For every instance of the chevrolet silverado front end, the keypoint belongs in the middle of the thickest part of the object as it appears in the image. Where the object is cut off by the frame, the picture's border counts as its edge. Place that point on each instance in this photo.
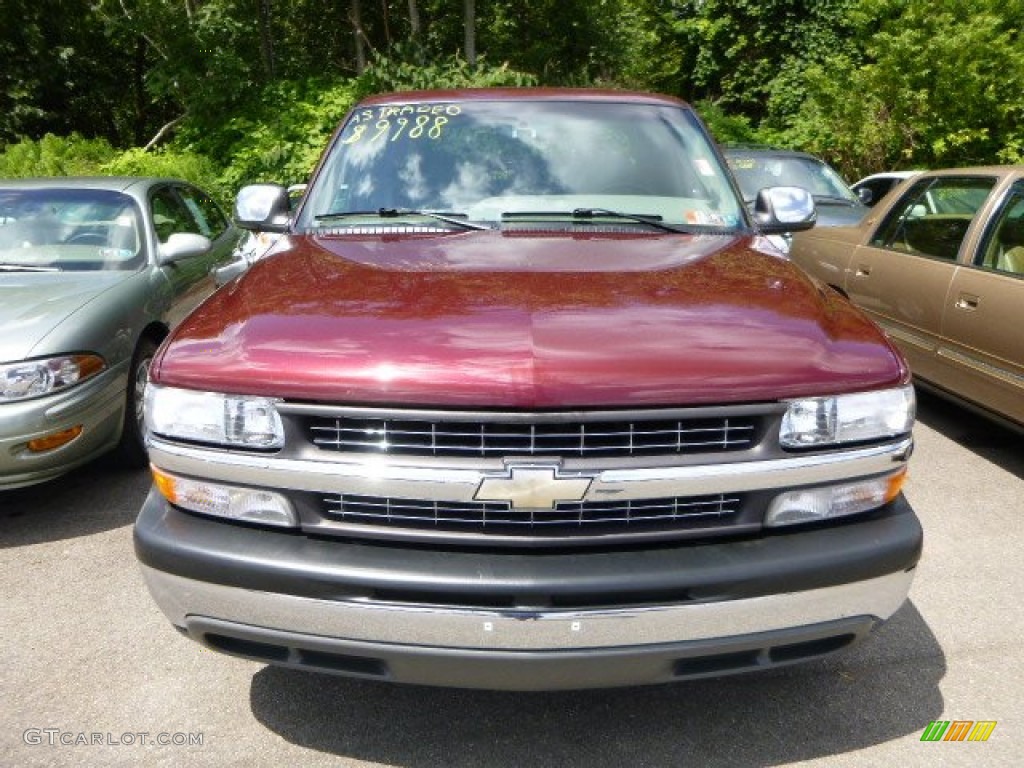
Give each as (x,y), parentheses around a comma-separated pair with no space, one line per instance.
(523,399)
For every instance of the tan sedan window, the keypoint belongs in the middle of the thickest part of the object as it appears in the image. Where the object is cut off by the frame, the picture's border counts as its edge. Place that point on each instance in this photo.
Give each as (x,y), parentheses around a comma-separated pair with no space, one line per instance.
(1004,250)
(933,217)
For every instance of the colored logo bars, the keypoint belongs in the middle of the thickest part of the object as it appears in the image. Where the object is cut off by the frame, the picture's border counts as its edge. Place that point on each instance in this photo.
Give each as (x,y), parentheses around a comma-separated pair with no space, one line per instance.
(958,730)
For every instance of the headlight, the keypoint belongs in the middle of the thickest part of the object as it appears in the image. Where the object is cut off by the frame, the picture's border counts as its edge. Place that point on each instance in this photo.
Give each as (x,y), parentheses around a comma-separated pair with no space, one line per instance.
(235,421)
(35,378)
(865,416)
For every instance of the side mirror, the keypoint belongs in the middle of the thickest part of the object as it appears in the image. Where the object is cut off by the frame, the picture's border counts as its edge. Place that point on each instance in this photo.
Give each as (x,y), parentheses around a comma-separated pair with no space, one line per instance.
(183,245)
(778,210)
(262,207)
(866,195)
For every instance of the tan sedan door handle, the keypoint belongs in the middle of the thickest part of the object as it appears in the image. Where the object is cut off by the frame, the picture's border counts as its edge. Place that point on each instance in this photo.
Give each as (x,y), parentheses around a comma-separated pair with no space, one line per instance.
(862,271)
(967,301)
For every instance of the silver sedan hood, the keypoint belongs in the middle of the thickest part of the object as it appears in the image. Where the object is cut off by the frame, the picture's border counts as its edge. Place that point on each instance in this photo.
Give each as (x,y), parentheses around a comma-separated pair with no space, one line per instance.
(33,304)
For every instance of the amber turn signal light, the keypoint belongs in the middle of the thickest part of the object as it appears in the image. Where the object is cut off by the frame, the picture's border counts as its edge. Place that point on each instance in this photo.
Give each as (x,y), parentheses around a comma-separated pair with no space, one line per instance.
(54,440)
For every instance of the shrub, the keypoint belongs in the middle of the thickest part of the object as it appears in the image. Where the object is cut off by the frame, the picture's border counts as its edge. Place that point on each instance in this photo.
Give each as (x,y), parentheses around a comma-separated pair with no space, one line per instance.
(277,137)
(169,163)
(55,156)
(400,72)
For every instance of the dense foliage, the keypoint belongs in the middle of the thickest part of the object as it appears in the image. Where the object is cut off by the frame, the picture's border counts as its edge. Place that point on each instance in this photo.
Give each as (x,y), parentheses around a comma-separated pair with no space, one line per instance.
(230,91)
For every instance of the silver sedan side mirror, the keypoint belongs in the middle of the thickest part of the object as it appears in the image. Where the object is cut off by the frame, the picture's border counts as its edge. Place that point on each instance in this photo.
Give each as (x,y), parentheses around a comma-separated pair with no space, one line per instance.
(183,245)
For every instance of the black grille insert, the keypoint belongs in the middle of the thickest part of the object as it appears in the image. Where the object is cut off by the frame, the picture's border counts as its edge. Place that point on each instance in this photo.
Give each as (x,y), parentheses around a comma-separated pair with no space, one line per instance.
(568,518)
(577,439)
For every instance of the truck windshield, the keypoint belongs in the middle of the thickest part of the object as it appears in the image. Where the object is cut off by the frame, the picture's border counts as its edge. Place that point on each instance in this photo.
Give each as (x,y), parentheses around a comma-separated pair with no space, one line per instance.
(481,161)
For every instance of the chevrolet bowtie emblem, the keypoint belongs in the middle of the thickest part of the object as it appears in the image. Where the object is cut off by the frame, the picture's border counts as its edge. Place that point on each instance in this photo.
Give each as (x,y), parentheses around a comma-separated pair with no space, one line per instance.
(533,488)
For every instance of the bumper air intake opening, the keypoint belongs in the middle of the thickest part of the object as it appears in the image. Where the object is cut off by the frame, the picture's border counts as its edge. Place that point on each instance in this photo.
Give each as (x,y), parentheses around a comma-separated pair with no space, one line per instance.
(810,649)
(343,663)
(303,658)
(763,657)
(237,646)
(717,664)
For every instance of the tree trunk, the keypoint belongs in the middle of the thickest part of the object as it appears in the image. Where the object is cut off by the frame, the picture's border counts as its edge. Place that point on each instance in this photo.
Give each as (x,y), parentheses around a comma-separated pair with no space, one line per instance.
(414,21)
(355,16)
(266,37)
(386,16)
(139,91)
(470,23)
(164,130)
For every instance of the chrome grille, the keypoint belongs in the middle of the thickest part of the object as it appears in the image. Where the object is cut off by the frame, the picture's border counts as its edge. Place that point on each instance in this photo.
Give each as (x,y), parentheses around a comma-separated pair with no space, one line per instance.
(573,438)
(666,514)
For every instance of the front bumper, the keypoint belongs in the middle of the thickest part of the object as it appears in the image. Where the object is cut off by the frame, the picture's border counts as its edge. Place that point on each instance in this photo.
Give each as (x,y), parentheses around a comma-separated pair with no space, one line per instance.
(97,406)
(527,621)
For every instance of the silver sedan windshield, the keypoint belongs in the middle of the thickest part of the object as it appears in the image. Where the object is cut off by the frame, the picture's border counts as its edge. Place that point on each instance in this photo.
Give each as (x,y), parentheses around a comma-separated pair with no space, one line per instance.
(68,229)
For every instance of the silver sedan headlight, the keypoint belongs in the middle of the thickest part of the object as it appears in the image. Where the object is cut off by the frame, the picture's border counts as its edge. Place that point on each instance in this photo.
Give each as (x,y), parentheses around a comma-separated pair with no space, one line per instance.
(36,378)
(233,421)
(861,417)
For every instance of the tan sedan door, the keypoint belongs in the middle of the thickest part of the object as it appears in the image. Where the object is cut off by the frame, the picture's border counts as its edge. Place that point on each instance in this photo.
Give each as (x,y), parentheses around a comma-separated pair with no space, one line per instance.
(983,324)
(903,275)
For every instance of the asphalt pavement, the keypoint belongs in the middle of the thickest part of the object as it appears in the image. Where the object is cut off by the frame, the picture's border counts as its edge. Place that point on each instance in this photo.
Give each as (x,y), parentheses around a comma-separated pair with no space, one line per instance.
(94,675)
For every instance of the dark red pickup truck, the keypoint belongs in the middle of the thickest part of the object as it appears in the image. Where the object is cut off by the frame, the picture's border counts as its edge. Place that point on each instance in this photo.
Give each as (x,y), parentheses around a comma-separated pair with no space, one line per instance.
(523,398)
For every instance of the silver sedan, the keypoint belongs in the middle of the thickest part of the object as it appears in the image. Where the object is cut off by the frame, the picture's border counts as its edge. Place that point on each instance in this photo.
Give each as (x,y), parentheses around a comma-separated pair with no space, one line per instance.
(93,275)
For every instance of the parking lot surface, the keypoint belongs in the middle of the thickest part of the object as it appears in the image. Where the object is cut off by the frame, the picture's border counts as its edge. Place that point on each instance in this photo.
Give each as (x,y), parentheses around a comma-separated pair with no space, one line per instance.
(94,675)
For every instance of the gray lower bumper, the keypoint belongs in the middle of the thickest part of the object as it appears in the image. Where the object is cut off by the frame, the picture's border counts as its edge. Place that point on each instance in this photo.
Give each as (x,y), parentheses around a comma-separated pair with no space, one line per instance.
(527,651)
(523,630)
(527,621)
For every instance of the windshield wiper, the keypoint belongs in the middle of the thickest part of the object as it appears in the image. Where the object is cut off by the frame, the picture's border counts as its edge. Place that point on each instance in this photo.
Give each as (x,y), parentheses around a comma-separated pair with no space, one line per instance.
(15,267)
(589,214)
(833,200)
(448,217)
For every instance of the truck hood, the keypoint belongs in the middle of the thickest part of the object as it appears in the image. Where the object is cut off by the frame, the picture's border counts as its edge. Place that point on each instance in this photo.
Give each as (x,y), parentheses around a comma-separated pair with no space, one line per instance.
(514,320)
(32,304)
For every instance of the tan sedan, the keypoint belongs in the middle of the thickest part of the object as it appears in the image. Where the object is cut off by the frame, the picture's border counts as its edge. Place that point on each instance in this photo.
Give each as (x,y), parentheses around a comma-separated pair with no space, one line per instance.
(940,265)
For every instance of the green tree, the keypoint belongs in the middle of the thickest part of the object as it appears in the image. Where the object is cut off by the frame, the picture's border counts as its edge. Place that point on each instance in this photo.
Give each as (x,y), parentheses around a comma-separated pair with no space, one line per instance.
(560,41)
(62,70)
(743,55)
(256,86)
(197,58)
(940,83)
